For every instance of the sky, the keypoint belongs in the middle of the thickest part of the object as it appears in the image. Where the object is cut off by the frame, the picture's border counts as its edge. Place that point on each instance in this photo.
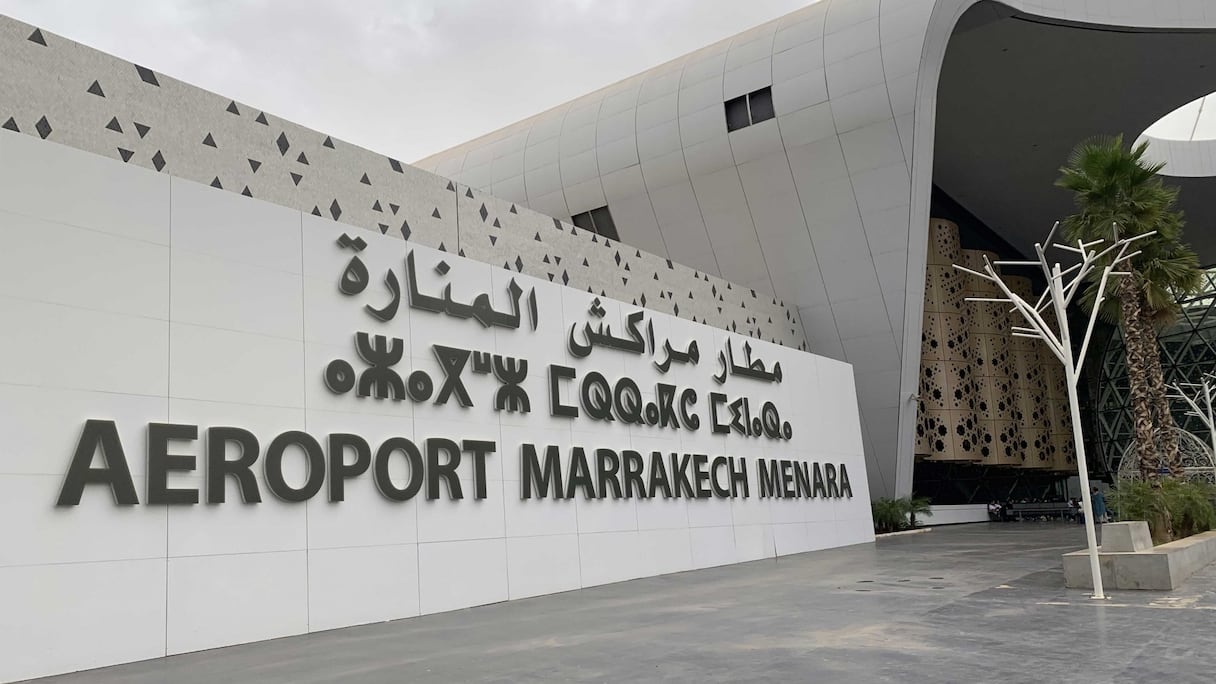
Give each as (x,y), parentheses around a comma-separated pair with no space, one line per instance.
(405,78)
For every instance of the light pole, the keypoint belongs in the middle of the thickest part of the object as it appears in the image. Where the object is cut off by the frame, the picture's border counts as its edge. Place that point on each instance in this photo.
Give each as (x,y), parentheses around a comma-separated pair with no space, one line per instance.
(1205,389)
(1056,298)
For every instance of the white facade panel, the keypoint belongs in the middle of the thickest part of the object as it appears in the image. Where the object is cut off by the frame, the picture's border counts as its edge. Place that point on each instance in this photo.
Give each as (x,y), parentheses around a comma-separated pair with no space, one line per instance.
(235,352)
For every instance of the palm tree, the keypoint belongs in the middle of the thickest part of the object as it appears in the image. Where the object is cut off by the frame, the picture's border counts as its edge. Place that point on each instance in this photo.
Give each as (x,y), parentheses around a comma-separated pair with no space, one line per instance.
(1118,194)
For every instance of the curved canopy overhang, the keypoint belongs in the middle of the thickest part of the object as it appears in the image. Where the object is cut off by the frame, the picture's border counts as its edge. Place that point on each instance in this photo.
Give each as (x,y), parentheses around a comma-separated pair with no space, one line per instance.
(1185,140)
(1017,92)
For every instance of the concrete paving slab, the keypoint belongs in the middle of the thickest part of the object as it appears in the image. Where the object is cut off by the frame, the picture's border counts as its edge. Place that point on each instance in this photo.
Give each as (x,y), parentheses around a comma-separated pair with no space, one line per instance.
(971,603)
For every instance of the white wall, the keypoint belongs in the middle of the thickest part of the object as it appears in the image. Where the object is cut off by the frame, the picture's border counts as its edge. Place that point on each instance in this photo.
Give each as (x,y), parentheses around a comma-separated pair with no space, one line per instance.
(135,297)
(952,515)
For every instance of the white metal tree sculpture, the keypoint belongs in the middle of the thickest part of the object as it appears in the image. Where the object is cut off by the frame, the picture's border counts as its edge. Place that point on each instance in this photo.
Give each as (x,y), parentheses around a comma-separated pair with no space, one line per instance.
(1063,284)
(1193,393)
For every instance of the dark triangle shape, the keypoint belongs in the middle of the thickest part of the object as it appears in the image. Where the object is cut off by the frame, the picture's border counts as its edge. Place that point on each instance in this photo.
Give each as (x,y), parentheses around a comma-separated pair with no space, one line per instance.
(302,159)
(246,192)
(496,224)
(513,209)
(493,239)
(442,248)
(656,276)
(550,277)
(215,183)
(114,125)
(36,37)
(209,141)
(376,207)
(394,207)
(546,259)
(255,165)
(364,180)
(451,188)
(95,89)
(461,252)
(125,154)
(147,76)
(328,142)
(141,129)
(261,118)
(316,211)
(383,228)
(468,192)
(296,178)
(585,262)
(435,214)
(557,260)
(537,238)
(232,108)
(11,125)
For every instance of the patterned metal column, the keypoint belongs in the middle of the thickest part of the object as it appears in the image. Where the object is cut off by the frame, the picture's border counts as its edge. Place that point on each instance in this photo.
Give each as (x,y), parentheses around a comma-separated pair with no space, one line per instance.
(947,424)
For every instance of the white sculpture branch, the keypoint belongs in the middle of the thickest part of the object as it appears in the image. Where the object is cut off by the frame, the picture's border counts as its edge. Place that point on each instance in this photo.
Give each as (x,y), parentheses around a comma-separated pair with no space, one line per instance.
(1063,284)
(1199,398)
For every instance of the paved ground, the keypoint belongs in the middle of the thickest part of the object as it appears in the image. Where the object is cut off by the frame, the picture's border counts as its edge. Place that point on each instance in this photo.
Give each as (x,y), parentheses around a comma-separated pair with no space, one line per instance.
(971,603)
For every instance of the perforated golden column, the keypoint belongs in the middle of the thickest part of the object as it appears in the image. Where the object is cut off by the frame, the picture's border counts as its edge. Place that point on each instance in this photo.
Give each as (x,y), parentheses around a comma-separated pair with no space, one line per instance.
(989,333)
(947,424)
(1031,361)
(1063,451)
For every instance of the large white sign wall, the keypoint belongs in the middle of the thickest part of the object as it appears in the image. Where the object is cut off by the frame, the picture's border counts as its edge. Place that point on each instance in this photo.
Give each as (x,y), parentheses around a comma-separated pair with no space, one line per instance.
(223,421)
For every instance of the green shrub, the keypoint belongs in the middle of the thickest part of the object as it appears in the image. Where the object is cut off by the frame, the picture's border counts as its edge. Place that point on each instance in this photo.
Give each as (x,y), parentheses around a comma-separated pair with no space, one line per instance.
(893,515)
(1190,506)
(888,515)
(1174,509)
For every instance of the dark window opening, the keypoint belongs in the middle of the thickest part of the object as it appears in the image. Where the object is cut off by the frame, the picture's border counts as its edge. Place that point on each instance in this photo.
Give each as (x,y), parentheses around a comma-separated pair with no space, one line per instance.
(597,221)
(749,109)
(736,113)
(761,103)
(583,221)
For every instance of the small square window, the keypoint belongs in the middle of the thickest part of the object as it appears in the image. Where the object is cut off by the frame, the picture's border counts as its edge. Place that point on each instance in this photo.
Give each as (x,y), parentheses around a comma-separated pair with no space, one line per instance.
(604,225)
(736,113)
(762,104)
(583,221)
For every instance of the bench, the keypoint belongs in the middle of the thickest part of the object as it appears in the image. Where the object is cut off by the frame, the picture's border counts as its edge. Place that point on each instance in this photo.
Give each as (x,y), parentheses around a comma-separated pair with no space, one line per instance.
(1057,509)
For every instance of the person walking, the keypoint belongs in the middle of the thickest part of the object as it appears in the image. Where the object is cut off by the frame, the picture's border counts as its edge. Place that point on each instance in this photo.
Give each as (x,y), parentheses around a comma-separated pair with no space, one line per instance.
(1099,504)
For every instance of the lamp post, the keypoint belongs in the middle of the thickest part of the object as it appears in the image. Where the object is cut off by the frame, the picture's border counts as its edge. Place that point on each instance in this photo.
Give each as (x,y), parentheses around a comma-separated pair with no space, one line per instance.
(1063,284)
(1204,390)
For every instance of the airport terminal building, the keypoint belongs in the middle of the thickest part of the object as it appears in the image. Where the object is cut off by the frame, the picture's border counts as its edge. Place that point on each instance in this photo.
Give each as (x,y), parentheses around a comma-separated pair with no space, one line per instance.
(259,382)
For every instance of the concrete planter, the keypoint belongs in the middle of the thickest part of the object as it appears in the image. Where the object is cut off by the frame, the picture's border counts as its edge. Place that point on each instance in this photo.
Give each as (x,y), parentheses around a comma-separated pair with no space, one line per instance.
(1128,559)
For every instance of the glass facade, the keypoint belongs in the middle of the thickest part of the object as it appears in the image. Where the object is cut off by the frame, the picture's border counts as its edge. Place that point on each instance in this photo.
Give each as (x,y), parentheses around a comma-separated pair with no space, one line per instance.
(1188,350)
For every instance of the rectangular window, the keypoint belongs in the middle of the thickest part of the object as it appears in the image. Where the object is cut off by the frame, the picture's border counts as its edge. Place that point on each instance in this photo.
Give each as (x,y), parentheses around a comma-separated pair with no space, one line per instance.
(736,113)
(597,221)
(761,103)
(749,109)
(583,221)
(604,224)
